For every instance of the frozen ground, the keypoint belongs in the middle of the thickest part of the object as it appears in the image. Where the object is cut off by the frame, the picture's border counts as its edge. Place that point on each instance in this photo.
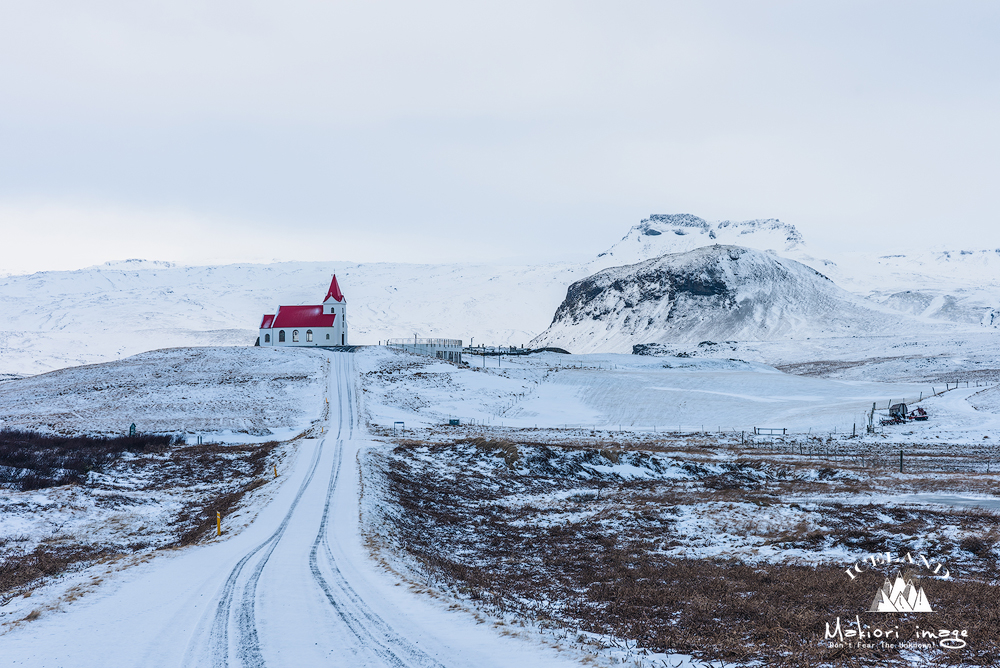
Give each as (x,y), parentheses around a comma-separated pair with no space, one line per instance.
(139,503)
(693,543)
(553,501)
(125,510)
(647,394)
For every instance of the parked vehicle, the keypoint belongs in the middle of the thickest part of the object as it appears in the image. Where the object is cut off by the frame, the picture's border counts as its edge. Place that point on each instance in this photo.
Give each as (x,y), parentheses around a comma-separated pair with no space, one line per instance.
(898,415)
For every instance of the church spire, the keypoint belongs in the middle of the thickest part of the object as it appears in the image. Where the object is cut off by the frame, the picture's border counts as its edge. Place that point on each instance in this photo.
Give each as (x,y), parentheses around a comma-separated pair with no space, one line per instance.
(334,292)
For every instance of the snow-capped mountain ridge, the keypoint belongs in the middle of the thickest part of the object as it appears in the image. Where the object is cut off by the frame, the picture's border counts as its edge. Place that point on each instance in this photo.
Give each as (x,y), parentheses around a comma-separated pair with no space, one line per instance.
(661,234)
(948,285)
(710,293)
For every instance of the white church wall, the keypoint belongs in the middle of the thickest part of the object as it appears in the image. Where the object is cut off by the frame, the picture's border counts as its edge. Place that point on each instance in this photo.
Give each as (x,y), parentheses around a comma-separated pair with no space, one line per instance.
(321,336)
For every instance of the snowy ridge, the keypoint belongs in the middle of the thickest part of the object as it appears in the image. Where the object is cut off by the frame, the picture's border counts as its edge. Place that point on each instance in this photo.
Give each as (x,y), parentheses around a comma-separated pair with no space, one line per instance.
(661,234)
(958,286)
(717,292)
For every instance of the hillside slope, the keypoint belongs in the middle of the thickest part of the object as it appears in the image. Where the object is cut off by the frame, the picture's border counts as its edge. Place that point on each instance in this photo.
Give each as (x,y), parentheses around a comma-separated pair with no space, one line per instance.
(253,391)
(711,293)
(56,319)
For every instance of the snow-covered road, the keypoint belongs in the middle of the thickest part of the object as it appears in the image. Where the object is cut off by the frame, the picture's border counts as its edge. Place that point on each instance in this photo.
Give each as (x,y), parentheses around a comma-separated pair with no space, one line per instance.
(296,588)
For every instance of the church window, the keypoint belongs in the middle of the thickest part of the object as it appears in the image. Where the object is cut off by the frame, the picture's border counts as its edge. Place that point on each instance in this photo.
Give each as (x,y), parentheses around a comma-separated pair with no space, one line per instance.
(327,337)
(267,338)
(295,336)
(281,336)
(309,336)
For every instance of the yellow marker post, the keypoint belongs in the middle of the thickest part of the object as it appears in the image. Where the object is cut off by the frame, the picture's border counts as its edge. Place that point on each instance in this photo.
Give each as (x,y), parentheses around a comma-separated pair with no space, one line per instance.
(218,523)
(275,470)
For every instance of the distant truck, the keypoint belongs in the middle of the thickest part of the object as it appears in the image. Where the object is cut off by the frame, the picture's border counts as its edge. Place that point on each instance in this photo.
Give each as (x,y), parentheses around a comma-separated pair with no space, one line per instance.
(898,415)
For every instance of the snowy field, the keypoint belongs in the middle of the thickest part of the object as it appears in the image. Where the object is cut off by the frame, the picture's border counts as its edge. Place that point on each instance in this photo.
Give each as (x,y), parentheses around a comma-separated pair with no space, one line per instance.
(138,503)
(603,458)
(566,497)
(52,320)
(294,586)
(923,357)
(236,393)
(647,394)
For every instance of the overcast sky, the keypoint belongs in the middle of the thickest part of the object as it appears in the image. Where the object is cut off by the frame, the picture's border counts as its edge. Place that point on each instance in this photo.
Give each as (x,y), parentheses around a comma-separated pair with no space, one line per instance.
(205,132)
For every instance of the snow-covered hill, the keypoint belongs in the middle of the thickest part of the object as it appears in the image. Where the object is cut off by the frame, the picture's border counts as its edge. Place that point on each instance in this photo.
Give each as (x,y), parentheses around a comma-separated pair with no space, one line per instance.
(952,286)
(957,286)
(56,319)
(249,391)
(711,293)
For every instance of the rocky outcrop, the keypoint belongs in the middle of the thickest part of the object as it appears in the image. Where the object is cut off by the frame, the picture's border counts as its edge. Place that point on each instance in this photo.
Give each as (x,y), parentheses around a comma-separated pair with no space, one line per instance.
(711,293)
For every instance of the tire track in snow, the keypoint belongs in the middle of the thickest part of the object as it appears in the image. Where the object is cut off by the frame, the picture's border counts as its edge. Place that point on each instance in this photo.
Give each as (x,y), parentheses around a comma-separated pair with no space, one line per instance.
(366,625)
(236,609)
(248,641)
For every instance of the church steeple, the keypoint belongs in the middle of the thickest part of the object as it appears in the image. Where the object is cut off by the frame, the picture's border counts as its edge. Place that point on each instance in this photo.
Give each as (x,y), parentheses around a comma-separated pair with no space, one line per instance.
(334,292)
(336,304)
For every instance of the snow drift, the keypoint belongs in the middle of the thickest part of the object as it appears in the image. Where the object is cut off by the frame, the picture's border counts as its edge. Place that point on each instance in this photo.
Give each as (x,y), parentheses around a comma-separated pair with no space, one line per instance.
(715,292)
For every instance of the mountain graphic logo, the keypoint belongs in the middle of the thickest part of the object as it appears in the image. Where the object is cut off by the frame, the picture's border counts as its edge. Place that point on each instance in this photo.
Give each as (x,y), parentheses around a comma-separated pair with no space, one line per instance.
(900,596)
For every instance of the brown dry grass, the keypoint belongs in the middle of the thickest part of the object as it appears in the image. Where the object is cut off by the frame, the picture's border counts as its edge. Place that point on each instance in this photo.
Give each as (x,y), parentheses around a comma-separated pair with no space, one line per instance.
(198,518)
(229,472)
(609,569)
(18,571)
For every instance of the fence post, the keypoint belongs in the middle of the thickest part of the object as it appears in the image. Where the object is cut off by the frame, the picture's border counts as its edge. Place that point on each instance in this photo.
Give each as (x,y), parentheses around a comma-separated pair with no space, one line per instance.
(900,461)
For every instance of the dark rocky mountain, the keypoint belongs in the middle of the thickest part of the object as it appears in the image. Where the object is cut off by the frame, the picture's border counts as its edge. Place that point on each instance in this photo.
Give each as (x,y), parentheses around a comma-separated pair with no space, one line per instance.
(710,293)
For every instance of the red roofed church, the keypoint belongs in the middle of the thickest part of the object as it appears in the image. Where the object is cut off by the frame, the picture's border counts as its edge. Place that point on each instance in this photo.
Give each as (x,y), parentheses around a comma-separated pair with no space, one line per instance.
(320,325)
